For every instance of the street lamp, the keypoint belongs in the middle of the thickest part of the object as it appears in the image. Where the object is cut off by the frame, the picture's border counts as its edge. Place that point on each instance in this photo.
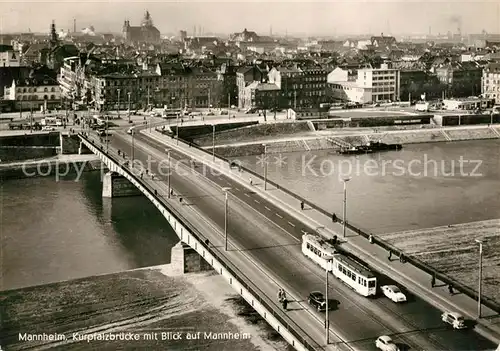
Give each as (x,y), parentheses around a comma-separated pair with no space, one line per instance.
(132,152)
(265,166)
(169,171)
(345,180)
(225,216)
(129,106)
(213,142)
(118,106)
(327,321)
(480,242)
(177,129)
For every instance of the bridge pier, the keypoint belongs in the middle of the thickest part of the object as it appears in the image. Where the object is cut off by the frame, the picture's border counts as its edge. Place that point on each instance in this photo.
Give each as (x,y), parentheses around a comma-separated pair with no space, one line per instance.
(186,260)
(116,185)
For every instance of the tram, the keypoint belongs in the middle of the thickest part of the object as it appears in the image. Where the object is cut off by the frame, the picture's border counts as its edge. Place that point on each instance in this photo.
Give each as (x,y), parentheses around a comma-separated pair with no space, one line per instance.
(352,273)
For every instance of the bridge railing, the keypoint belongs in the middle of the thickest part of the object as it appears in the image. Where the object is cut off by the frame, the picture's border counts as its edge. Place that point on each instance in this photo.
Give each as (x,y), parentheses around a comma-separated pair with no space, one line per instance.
(257,293)
(485,300)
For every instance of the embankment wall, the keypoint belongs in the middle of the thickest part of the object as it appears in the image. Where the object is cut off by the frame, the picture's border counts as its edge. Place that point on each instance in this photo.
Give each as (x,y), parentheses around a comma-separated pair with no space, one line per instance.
(49,168)
(323,143)
(253,132)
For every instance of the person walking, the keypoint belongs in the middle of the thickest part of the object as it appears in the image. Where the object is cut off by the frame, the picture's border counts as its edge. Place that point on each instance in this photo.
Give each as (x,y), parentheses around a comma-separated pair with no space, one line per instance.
(302,205)
(390,256)
(250,180)
(285,303)
(450,289)
(433,281)
(280,295)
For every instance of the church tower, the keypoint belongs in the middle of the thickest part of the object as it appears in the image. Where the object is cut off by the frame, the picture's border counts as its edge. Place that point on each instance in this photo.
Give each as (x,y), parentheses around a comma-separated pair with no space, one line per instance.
(53,35)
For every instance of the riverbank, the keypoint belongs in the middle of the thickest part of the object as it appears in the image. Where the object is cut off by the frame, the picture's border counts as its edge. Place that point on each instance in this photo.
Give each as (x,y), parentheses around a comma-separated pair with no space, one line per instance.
(58,166)
(143,303)
(452,250)
(331,140)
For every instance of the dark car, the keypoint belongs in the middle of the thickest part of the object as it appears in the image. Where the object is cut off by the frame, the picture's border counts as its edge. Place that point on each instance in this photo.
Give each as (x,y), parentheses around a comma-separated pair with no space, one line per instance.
(317,299)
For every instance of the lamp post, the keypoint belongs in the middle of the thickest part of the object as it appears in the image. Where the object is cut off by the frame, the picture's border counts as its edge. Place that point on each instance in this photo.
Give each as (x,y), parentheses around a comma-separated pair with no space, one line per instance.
(265,166)
(177,130)
(327,321)
(129,106)
(169,171)
(345,180)
(132,151)
(213,142)
(225,216)
(118,106)
(480,242)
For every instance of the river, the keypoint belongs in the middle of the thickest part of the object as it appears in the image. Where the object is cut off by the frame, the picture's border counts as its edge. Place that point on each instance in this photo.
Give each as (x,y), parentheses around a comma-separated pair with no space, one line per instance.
(54,231)
(421,186)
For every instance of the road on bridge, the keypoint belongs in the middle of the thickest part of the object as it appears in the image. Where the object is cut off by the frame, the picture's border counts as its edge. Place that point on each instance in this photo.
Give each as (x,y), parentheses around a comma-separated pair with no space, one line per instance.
(272,238)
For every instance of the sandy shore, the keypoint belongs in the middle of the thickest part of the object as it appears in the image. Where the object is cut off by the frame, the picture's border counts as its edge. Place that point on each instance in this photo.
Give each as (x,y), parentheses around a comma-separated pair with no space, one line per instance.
(153,307)
(453,251)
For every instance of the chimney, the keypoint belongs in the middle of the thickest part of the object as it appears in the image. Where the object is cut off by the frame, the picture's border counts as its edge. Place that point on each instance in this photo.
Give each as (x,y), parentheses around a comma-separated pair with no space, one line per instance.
(74,25)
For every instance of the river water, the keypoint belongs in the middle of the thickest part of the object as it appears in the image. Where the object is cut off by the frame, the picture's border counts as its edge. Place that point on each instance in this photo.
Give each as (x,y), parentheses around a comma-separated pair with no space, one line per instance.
(421,186)
(53,231)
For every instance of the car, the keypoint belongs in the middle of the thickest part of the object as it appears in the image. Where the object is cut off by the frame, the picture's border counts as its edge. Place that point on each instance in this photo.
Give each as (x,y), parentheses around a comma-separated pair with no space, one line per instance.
(48,128)
(385,343)
(393,293)
(130,130)
(456,320)
(317,299)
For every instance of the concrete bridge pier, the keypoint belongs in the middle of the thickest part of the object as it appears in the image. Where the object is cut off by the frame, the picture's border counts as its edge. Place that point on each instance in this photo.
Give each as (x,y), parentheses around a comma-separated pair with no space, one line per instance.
(83,150)
(185,259)
(116,185)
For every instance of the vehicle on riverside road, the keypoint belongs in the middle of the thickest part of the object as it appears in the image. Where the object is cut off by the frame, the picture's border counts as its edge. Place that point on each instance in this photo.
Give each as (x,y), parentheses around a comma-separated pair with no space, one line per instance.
(385,343)
(346,269)
(317,300)
(393,293)
(456,320)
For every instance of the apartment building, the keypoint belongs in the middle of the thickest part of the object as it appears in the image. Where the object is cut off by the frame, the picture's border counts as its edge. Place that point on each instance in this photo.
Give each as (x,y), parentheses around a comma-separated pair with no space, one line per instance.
(490,82)
(370,84)
(9,57)
(300,87)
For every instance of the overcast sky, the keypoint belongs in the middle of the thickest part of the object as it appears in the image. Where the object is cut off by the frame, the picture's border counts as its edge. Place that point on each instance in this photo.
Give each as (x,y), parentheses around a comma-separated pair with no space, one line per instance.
(331,17)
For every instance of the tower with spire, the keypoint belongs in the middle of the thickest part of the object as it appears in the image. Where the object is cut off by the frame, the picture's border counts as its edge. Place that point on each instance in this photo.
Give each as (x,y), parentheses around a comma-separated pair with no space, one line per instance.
(53,35)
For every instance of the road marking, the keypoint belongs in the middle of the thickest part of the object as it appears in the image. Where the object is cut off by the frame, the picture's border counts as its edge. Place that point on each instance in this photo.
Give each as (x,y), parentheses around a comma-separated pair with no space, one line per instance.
(293,225)
(237,189)
(277,214)
(267,208)
(247,195)
(257,201)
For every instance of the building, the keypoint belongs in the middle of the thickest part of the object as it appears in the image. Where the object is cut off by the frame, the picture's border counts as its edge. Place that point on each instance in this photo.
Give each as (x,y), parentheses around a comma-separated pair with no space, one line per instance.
(34,93)
(247,75)
(415,82)
(173,84)
(9,57)
(468,104)
(370,85)
(205,88)
(300,86)
(490,82)
(461,78)
(260,95)
(145,33)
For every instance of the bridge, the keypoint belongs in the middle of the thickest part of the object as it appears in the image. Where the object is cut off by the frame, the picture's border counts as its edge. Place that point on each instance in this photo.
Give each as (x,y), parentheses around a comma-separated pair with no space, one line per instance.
(263,249)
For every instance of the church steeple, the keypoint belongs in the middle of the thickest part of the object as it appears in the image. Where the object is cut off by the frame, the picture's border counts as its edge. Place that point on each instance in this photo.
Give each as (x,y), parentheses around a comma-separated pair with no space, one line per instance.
(53,34)
(147,21)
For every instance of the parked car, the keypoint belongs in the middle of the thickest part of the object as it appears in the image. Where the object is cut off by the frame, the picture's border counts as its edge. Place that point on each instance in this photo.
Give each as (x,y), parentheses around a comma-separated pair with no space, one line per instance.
(393,293)
(130,130)
(317,299)
(48,128)
(385,343)
(456,320)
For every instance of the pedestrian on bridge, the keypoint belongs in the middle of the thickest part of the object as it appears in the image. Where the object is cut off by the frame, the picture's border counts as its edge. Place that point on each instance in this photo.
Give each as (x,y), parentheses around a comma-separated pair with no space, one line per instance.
(302,205)
(250,180)
(450,289)
(285,303)
(390,255)
(433,281)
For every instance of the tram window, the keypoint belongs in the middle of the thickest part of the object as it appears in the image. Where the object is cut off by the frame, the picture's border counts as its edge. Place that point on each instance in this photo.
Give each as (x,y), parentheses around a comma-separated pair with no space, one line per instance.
(371,283)
(353,277)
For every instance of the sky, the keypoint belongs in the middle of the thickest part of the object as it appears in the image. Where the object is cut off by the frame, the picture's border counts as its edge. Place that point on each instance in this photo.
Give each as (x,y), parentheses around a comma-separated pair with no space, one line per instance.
(326,18)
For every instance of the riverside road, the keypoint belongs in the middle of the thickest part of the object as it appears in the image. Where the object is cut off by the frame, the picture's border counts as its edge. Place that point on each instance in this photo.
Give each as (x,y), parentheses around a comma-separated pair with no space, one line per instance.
(272,238)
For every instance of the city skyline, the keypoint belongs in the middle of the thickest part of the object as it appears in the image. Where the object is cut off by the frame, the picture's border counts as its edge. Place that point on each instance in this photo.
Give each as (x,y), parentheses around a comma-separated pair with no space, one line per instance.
(292,17)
